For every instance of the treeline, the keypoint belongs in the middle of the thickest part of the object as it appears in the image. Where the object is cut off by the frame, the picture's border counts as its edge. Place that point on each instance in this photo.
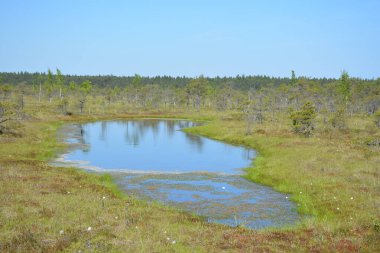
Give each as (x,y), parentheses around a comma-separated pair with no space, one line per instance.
(333,102)
(239,82)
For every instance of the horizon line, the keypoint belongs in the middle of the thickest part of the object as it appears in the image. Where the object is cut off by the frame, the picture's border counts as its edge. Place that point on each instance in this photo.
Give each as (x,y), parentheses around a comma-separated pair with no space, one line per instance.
(188,76)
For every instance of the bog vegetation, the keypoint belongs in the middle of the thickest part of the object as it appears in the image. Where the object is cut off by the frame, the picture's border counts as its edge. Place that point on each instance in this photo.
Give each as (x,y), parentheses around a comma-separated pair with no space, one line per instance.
(252,98)
(318,140)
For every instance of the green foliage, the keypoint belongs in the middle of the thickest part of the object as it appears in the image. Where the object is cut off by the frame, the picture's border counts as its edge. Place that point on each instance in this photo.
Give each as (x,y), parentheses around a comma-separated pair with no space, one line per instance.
(8,114)
(49,84)
(238,82)
(202,93)
(344,88)
(136,82)
(293,80)
(196,89)
(60,79)
(86,87)
(72,86)
(5,91)
(198,86)
(303,120)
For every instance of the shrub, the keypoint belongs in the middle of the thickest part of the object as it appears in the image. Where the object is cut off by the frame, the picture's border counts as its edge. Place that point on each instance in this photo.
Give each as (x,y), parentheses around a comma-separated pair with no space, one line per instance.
(303,120)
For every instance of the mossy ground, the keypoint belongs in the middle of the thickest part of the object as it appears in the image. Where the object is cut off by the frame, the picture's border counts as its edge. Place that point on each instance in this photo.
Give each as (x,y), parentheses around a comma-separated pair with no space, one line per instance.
(333,177)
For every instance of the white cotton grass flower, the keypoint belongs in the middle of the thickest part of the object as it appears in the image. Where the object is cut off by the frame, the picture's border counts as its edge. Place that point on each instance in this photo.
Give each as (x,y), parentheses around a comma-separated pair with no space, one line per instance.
(352,198)
(173,242)
(300,192)
(89,229)
(165,232)
(338,208)
(116,217)
(104,197)
(61,232)
(168,238)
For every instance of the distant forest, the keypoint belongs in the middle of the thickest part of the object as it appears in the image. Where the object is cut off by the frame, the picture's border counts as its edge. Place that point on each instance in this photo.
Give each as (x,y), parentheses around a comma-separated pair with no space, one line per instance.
(238,82)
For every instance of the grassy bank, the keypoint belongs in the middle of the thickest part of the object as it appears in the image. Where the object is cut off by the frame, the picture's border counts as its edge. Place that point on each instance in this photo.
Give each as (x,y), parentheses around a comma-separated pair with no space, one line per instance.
(49,209)
(333,177)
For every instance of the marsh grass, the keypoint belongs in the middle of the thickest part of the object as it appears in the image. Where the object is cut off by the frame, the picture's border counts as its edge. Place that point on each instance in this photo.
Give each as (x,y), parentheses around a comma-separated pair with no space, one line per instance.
(333,177)
(49,209)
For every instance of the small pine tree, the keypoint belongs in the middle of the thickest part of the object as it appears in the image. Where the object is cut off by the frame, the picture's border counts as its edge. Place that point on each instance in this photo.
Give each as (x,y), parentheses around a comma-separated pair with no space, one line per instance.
(344,87)
(303,120)
(8,114)
(293,80)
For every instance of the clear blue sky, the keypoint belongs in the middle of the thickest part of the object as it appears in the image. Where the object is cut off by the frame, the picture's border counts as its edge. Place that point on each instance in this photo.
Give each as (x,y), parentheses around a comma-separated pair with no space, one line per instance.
(192,37)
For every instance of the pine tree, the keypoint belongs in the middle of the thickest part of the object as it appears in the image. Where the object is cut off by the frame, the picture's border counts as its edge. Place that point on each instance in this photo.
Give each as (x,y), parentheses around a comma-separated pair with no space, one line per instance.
(293,80)
(303,120)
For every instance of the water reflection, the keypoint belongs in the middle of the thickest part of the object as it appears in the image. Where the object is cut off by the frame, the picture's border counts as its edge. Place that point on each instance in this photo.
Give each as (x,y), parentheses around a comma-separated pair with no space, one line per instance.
(195,141)
(155,145)
(136,130)
(103,132)
(83,135)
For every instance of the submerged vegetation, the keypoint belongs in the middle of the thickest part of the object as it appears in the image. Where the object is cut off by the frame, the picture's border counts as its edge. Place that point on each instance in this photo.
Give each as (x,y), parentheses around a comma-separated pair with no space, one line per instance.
(317,139)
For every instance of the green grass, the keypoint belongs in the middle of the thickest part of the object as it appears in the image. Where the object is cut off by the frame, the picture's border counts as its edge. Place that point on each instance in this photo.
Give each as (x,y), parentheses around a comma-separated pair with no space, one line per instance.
(37,201)
(333,179)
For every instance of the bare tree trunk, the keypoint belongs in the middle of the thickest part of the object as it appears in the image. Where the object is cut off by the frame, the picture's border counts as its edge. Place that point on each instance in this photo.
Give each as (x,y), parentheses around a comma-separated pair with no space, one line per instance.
(81,104)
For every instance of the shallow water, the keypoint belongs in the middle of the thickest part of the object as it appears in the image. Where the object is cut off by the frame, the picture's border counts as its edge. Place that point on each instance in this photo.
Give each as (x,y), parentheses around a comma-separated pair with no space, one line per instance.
(154,160)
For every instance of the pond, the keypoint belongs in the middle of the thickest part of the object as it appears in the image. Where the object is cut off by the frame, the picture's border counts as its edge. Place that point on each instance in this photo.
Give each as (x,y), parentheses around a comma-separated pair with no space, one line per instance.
(154,160)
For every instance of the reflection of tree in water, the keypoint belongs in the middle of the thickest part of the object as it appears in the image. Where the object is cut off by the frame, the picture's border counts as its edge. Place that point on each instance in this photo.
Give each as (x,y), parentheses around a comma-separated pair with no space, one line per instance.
(103,132)
(185,124)
(136,130)
(82,139)
(131,137)
(171,127)
(248,154)
(196,141)
(155,128)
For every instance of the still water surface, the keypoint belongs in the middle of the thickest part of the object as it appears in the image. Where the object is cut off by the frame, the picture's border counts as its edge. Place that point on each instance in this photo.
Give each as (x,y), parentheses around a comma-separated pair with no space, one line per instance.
(155,160)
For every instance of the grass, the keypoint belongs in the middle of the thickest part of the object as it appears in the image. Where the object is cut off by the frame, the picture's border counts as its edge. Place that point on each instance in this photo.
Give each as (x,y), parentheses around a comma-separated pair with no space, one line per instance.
(334,178)
(49,209)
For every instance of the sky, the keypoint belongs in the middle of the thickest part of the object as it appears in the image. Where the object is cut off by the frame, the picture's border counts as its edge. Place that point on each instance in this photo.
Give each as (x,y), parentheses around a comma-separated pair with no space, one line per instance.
(316,38)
